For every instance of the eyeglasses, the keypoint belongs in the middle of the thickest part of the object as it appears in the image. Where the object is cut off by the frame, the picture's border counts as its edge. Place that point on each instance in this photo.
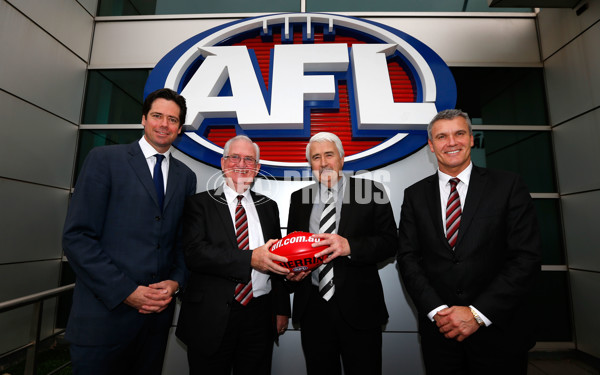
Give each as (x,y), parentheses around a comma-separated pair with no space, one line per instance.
(235,159)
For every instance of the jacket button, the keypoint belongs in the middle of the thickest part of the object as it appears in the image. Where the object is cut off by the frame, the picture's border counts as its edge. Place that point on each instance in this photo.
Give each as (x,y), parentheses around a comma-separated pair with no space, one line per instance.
(157,218)
(459,292)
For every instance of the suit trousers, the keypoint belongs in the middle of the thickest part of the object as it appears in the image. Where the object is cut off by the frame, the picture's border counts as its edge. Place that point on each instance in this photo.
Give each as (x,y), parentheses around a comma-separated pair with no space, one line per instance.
(247,345)
(326,337)
(143,354)
(484,352)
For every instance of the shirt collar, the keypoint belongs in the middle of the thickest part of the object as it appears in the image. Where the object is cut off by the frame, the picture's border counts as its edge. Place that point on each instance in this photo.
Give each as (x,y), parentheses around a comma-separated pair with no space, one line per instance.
(341,183)
(149,151)
(231,195)
(463,176)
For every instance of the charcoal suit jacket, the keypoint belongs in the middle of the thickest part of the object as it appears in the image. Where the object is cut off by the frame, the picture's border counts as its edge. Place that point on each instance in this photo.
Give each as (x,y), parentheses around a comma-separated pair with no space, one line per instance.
(495,261)
(367,222)
(217,265)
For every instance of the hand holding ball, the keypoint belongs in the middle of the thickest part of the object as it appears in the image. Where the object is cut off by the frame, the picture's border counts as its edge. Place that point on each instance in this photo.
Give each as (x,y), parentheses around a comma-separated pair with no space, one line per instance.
(297,248)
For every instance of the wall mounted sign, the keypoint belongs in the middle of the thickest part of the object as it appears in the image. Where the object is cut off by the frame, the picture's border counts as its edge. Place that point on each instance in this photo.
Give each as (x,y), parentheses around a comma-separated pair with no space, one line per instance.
(281,78)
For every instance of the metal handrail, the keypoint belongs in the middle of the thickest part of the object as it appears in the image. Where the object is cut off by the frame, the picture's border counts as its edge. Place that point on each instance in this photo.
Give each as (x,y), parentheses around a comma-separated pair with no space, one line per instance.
(37,300)
(28,300)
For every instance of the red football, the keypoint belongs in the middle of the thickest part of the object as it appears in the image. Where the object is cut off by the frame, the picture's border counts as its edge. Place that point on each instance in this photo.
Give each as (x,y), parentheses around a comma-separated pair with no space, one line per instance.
(297,248)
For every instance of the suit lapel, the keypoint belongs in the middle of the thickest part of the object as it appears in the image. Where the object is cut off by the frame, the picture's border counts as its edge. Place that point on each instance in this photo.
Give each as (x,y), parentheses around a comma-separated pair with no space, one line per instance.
(265,218)
(474,194)
(172,179)
(223,213)
(140,167)
(347,202)
(434,206)
(305,209)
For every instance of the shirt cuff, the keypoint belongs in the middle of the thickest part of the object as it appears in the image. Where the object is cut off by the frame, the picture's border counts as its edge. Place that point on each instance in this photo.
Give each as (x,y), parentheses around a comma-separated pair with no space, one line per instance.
(434,311)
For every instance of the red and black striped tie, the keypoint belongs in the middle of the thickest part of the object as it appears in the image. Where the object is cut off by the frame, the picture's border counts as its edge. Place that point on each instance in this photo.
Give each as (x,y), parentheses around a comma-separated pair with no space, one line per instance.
(453,212)
(243,292)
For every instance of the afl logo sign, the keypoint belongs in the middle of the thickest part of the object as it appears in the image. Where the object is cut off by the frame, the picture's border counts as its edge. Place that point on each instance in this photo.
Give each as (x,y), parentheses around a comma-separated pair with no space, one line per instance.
(281,78)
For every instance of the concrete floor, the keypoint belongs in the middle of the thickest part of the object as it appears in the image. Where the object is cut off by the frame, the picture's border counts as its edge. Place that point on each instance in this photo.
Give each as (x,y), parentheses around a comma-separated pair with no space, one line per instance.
(557,362)
(563,363)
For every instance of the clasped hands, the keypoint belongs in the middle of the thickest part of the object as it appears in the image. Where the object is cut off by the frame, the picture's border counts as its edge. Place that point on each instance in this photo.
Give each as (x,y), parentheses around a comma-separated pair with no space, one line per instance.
(153,298)
(456,322)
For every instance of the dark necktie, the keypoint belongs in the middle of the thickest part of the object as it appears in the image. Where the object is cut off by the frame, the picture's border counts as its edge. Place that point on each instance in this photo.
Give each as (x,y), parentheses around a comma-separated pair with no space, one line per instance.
(453,213)
(159,183)
(327,225)
(243,292)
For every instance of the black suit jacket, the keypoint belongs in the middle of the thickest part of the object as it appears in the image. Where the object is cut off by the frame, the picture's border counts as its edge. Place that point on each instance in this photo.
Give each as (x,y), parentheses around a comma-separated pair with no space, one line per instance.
(217,265)
(496,258)
(116,237)
(367,222)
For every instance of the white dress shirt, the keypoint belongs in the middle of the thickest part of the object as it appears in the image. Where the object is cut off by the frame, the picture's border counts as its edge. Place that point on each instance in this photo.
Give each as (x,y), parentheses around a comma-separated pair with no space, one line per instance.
(149,153)
(462,187)
(261,282)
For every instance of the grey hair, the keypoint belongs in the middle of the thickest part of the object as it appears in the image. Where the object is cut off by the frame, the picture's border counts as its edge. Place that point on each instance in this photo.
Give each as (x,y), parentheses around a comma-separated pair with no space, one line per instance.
(449,114)
(239,138)
(325,137)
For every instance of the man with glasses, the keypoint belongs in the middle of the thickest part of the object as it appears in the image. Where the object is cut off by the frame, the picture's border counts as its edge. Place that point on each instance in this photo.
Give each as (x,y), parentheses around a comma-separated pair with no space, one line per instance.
(235,303)
(121,237)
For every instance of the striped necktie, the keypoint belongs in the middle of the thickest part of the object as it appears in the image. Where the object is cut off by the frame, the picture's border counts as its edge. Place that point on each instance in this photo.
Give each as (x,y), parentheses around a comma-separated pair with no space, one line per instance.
(327,225)
(453,213)
(243,292)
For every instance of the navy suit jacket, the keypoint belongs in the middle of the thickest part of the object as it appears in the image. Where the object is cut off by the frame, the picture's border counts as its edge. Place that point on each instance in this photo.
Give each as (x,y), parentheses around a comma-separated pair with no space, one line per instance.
(367,222)
(116,238)
(217,265)
(496,258)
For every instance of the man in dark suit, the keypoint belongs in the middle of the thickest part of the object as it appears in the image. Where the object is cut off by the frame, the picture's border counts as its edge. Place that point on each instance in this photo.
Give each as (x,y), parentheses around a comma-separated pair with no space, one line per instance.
(123,245)
(469,253)
(342,312)
(234,305)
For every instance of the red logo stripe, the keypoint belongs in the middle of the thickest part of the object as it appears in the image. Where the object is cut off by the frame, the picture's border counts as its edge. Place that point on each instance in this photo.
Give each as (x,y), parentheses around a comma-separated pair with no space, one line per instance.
(337,122)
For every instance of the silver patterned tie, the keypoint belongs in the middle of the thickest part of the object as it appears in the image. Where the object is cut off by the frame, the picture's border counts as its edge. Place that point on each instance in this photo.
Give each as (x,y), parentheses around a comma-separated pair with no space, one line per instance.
(327,225)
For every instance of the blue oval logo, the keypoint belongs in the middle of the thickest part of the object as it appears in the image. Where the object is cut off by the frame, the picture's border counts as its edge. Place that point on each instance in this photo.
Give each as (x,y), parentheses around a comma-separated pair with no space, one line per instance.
(281,78)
